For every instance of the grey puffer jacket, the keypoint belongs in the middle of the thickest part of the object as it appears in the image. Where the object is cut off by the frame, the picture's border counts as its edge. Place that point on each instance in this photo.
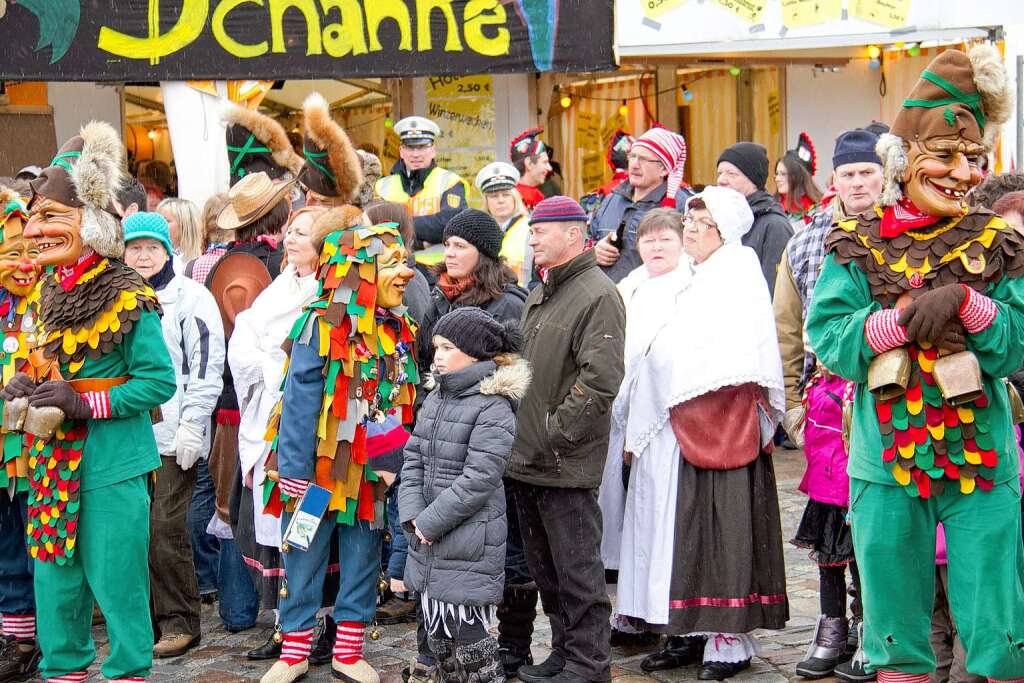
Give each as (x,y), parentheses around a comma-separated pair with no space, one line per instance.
(451,482)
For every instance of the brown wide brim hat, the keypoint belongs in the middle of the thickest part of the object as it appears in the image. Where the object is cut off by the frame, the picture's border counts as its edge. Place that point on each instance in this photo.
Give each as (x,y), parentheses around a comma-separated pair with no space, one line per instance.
(251,198)
(235,282)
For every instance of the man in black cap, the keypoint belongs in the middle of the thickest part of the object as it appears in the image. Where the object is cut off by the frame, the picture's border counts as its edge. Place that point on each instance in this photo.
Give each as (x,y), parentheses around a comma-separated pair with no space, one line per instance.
(857,177)
(744,167)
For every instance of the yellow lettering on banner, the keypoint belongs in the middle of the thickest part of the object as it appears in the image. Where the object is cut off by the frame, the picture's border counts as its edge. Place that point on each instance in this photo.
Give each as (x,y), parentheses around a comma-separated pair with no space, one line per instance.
(891,13)
(347,36)
(424,42)
(656,8)
(480,13)
(748,10)
(232,46)
(312,17)
(189,26)
(396,10)
(797,13)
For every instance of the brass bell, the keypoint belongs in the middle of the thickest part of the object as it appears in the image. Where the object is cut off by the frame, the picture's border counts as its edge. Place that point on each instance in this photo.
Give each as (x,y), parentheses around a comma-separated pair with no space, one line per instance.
(958,376)
(375,633)
(889,374)
(383,584)
(285,548)
(283,591)
(1016,404)
(278,636)
(387,537)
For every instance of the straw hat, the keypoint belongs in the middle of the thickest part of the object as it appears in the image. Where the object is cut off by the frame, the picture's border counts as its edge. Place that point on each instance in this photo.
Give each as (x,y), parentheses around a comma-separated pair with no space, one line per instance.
(251,198)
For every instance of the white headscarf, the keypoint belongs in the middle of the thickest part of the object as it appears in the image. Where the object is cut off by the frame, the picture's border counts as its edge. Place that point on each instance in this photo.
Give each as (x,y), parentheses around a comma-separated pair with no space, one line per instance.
(729,209)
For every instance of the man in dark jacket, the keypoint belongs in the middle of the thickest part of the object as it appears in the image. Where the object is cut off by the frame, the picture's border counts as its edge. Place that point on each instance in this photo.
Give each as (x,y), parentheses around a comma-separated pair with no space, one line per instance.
(656,162)
(574,327)
(744,168)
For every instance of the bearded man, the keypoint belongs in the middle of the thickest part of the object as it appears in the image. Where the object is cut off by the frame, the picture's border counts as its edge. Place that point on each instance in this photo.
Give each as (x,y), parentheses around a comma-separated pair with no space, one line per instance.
(920,303)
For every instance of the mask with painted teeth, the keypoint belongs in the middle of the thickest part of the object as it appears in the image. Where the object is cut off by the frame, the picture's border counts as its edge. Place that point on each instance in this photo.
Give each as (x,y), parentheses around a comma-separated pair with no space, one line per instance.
(940,173)
(56,230)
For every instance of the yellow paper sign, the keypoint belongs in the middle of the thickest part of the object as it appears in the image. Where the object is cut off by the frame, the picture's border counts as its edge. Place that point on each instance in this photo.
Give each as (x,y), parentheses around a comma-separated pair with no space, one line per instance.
(891,13)
(614,123)
(459,86)
(656,8)
(748,10)
(593,170)
(797,13)
(588,130)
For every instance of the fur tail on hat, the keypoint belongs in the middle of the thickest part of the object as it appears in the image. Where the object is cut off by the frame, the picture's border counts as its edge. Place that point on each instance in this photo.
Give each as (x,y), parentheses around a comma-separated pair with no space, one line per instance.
(7,195)
(894,165)
(97,176)
(996,97)
(341,155)
(268,131)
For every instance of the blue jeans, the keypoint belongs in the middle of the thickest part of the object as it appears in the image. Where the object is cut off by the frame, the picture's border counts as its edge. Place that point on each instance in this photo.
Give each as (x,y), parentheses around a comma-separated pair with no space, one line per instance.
(239,601)
(399,548)
(16,594)
(205,548)
(359,556)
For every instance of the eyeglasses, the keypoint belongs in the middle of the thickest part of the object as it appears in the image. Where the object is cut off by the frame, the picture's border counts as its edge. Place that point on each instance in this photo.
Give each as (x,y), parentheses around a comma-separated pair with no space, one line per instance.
(642,160)
(690,224)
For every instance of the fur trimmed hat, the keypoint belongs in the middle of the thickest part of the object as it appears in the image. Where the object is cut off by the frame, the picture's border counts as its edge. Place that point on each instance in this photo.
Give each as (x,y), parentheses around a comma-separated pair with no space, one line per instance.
(372,169)
(958,95)
(332,167)
(257,143)
(86,174)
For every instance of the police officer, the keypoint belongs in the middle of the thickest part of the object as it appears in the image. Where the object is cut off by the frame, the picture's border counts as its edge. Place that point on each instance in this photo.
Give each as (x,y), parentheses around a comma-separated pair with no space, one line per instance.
(432,194)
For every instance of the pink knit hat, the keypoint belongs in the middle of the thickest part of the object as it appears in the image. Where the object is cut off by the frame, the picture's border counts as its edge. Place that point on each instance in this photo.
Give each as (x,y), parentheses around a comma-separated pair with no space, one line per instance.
(670,148)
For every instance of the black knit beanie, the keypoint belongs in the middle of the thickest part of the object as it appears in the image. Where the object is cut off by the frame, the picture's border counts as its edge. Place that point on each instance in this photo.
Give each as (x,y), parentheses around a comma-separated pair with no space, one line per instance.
(476,333)
(752,160)
(477,228)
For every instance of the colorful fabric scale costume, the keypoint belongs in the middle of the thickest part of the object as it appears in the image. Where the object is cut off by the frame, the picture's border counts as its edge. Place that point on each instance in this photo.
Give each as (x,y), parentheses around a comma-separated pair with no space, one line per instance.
(921,304)
(18,275)
(351,369)
(98,369)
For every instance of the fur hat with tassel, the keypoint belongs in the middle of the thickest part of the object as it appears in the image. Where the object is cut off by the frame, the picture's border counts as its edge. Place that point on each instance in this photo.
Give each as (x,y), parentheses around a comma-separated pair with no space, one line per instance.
(257,143)
(332,168)
(958,95)
(86,174)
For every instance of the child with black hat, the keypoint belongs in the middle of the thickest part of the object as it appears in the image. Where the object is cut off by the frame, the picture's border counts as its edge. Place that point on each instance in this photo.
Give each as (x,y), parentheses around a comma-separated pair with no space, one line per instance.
(451,499)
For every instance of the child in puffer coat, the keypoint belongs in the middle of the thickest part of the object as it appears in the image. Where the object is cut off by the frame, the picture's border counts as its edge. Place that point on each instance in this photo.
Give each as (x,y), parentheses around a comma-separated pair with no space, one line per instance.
(451,500)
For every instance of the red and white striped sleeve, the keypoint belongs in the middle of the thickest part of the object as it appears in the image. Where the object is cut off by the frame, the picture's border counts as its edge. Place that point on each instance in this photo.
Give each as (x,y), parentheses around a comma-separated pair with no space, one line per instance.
(99,402)
(977,311)
(883,330)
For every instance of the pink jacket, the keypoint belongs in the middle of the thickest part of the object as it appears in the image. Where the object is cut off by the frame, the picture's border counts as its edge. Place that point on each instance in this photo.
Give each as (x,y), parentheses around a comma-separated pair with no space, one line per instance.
(825,479)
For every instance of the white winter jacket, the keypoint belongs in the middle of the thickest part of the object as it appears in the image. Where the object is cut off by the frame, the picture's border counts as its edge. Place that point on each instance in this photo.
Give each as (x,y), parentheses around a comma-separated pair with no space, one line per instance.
(195,340)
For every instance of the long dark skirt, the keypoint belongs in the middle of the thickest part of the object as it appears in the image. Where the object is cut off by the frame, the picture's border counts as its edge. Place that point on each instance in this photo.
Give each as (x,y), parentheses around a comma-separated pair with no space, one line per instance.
(824,532)
(728,574)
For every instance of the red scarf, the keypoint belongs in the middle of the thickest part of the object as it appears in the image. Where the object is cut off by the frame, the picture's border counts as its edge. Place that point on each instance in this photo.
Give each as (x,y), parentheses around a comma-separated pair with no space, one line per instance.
(68,275)
(905,216)
(453,288)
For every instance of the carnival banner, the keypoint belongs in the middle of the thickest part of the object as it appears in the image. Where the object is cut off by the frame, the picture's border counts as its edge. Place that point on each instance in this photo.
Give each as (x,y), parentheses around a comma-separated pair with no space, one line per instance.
(172,40)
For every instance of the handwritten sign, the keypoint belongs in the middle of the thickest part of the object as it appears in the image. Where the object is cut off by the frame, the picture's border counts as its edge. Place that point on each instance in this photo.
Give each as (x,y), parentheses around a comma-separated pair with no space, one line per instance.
(588,130)
(613,123)
(593,170)
(774,110)
(748,10)
(797,13)
(463,109)
(654,9)
(891,13)
(149,40)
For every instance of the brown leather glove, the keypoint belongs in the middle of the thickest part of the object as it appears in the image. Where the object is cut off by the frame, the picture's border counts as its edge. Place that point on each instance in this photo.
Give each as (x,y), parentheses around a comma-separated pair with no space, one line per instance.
(20,385)
(926,316)
(61,395)
(952,338)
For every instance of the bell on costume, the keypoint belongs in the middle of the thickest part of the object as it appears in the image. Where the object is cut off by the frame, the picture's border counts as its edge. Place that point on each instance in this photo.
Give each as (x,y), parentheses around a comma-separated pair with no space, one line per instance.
(15,411)
(42,421)
(1016,404)
(889,374)
(958,376)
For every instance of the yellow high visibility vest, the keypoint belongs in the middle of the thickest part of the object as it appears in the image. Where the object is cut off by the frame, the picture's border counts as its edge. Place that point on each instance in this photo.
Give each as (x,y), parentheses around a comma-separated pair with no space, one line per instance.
(514,249)
(427,201)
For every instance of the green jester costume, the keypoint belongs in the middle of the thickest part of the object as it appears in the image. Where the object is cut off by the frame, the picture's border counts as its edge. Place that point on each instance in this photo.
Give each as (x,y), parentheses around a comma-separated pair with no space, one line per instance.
(921,303)
(98,369)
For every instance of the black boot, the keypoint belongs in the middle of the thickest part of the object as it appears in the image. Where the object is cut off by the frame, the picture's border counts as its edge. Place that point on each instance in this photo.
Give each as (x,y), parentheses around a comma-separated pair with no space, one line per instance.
(719,671)
(678,651)
(268,650)
(827,650)
(540,673)
(479,662)
(516,614)
(854,670)
(323,648)
(447,669)
(19,659)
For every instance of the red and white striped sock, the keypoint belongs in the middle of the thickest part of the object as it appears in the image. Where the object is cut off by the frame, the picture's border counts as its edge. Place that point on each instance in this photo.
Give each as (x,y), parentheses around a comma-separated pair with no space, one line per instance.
(901,677)
(129,679)
(1006,680)
(20,626)
(73,677)
(348,642)
(296,646)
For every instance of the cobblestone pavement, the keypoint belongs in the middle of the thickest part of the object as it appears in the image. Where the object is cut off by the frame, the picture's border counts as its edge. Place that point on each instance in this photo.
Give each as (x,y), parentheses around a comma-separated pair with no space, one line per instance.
(221,656)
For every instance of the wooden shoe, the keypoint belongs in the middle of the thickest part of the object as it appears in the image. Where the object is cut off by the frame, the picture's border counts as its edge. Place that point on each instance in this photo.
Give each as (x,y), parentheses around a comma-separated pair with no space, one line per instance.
(358,672)
(283,672)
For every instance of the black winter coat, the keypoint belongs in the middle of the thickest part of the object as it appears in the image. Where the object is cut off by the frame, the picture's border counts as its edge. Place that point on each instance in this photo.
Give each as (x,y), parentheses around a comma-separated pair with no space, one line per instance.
(769,234)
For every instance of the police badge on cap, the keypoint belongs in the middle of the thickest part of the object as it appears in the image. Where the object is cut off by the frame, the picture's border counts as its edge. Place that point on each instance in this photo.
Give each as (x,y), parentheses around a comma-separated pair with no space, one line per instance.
(497,176)
(416,131)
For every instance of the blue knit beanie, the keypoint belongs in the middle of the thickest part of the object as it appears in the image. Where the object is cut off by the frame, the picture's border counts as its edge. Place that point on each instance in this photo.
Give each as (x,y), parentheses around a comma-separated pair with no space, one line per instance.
(148,224)
(856,146)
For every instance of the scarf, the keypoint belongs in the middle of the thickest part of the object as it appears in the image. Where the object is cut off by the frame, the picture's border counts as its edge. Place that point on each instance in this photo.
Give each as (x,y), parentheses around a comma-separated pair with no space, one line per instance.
(160,279)
(904,216)
(453,288)
(68,276)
